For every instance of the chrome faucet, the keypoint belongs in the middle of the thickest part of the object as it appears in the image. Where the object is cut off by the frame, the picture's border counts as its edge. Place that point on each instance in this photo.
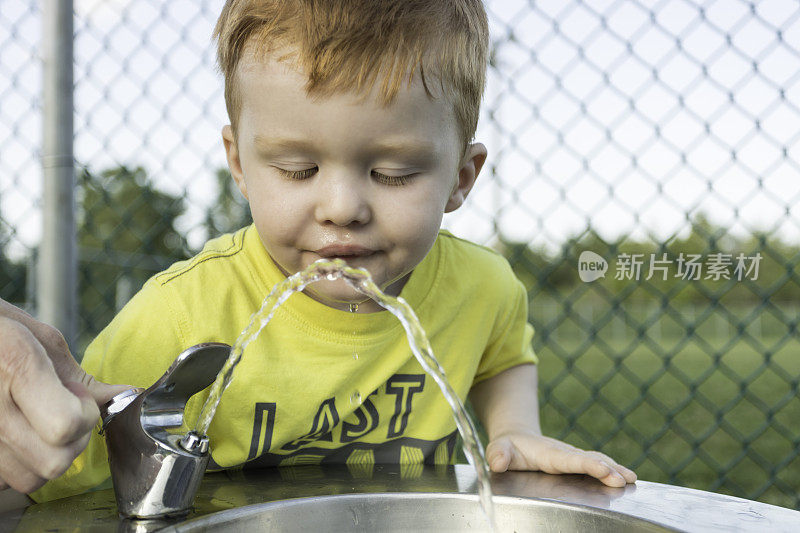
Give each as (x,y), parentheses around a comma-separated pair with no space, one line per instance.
(156,473)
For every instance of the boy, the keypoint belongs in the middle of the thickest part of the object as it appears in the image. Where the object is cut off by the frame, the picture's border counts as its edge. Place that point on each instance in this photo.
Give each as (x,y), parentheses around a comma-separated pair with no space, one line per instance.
(350,134)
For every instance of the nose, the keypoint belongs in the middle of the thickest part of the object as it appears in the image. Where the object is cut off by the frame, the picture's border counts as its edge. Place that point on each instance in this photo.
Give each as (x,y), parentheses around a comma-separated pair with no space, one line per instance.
(342,199)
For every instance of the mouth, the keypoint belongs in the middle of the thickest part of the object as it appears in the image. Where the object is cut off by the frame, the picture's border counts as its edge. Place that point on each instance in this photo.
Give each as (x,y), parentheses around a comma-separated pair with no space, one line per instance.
(344,251)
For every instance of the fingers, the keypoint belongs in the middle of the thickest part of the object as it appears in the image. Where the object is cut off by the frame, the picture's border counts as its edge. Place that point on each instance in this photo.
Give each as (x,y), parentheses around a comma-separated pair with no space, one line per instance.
(15,313)
(604,472)
(526,452)
(605,469)
(54,413)
(628,474)
(499,454)
(27,462)
(595,464)
(617,474)
(20,478)
(26,459)
(48,337)
(45,424)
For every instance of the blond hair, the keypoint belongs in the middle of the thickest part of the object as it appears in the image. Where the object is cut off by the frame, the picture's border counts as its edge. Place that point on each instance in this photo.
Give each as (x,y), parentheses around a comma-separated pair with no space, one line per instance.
(344,45)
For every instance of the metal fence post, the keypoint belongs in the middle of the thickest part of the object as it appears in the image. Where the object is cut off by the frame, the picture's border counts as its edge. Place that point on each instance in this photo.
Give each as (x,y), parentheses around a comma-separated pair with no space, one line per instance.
(57,268)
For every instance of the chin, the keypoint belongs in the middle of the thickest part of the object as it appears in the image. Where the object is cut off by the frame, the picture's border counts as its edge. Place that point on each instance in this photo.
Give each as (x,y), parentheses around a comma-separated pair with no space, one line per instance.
(335,292)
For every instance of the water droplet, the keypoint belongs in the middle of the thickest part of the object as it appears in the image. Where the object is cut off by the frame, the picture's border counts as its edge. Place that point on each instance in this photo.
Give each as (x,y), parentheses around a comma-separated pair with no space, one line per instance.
(331,277)
(355,398)
(355,356)
(353,308)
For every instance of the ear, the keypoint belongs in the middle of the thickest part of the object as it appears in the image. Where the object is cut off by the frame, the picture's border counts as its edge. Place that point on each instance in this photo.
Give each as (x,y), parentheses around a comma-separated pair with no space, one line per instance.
(234,163)
(470,167)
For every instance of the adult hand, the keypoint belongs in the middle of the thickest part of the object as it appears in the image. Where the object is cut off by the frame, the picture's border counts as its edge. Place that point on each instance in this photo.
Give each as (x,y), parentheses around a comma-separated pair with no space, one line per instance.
(528,451)
(48,404)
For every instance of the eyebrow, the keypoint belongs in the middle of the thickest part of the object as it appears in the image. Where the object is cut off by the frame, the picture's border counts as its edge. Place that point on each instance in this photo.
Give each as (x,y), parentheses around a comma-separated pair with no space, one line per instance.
(264,142)
(408,149)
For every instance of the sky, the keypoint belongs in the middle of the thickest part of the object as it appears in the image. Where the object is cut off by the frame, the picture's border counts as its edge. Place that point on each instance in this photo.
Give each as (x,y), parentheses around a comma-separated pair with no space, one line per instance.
(626,116)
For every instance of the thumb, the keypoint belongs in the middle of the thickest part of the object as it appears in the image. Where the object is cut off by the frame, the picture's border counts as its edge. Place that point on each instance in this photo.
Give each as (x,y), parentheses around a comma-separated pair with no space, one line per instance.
(103,392)
(499,454)
(69,371)
(67,368)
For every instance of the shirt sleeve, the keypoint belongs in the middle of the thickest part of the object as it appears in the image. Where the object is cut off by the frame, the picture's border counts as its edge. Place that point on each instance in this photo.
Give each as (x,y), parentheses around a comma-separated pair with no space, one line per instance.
(510,344)
(136,348)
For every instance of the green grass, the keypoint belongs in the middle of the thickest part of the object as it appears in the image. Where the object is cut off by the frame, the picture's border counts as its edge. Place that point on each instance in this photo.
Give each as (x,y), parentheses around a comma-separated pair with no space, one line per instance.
(714,413)
(721,416)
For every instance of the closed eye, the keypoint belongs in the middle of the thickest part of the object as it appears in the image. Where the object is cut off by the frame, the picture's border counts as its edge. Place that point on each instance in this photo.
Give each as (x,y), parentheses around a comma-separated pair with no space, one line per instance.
(394,181)
(379,177)
(297,174)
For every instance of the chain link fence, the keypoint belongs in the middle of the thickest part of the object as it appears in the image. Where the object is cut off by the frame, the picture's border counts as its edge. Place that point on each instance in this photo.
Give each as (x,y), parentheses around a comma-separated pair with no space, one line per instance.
(642,180)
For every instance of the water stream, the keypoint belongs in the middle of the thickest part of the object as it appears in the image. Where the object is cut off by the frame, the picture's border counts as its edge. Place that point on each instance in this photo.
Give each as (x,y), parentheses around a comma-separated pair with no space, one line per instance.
(360,280)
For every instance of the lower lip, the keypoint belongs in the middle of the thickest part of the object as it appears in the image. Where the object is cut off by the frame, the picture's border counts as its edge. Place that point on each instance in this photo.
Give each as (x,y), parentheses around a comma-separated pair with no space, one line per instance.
(348,257)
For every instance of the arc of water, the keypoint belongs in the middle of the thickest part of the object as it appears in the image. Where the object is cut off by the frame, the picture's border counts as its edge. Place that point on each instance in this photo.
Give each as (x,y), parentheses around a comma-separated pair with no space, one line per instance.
(360,280)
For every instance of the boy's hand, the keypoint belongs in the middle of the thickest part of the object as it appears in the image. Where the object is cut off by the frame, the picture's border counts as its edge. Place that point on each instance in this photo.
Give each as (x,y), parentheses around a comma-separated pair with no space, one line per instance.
(48,404)
(529,451)
(507,404)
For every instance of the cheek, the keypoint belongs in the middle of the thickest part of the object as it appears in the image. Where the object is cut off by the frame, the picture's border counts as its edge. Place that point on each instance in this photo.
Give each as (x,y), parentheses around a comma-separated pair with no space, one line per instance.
(415,221)
(272,207)
(261,205)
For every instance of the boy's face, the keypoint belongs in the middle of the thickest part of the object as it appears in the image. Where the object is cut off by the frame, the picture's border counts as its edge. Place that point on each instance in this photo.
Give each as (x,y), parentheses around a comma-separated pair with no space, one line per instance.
(345,177)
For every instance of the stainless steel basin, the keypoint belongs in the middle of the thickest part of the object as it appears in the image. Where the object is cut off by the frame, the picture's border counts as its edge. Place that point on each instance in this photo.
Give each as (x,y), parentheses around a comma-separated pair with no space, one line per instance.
(415,512)
(415,498)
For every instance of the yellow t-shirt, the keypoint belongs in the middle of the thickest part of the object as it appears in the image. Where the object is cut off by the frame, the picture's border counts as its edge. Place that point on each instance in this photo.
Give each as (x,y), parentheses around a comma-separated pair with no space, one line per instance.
(294,398)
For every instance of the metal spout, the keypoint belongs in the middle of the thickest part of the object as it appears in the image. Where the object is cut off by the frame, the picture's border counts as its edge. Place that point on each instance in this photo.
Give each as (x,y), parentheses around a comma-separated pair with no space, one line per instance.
(194,443)
(156,473)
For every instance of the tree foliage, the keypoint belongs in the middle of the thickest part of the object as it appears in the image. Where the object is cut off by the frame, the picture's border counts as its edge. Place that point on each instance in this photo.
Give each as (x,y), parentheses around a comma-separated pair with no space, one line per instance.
(557,273)
(230,211)
(126,233)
